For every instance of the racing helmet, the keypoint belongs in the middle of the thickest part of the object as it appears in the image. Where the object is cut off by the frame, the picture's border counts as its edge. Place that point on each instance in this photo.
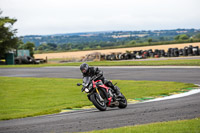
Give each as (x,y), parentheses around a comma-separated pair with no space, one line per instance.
(84,68)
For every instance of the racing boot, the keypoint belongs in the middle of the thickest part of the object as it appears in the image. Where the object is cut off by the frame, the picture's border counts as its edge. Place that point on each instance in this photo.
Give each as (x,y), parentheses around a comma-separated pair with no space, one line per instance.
(118,93)
(115,88)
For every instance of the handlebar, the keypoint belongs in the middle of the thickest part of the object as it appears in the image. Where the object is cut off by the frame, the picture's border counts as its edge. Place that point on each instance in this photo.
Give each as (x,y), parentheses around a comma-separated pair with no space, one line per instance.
(93,78)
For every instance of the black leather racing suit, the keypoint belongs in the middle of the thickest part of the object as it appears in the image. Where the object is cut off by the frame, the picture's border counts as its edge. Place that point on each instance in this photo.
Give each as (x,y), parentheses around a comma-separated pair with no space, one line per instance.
(98,73)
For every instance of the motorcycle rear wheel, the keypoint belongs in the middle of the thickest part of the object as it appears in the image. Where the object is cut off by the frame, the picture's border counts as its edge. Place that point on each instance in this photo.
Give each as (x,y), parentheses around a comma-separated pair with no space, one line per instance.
(97,103)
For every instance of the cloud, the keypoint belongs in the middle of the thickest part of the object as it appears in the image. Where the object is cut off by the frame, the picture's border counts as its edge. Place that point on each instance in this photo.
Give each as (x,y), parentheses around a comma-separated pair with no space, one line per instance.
(64,16)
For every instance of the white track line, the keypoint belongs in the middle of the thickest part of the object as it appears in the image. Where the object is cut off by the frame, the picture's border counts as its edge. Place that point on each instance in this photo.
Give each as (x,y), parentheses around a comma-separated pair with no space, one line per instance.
(195,91)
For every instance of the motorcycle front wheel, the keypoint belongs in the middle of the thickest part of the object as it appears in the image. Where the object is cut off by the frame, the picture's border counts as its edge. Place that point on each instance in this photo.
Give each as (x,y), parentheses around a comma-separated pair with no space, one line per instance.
(97,103)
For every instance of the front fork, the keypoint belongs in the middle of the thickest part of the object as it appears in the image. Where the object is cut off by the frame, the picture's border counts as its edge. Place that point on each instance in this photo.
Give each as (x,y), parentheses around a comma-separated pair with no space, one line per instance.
(98,95)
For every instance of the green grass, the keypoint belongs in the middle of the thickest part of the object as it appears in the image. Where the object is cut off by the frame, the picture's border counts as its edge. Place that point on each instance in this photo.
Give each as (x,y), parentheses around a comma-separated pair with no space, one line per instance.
(180,62)
(181,126)
(23,97)
(187,62)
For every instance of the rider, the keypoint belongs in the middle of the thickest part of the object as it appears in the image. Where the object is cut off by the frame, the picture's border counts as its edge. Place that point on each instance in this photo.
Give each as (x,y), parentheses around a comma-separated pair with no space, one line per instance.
(91,71)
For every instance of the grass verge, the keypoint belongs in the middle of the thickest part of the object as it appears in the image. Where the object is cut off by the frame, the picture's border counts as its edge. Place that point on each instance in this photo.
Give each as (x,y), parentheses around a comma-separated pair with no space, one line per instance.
(170,62)
(180,126)
(24,97)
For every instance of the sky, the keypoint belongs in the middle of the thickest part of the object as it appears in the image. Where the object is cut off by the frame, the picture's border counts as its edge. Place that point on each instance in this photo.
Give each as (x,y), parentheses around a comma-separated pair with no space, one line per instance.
(44,17)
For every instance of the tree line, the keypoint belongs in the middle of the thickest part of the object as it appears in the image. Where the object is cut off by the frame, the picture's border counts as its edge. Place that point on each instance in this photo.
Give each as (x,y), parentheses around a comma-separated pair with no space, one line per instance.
(50,47)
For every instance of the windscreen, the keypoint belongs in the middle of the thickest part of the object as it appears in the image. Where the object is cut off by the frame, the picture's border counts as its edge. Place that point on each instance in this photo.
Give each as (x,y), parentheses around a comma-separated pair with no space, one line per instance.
(86,81)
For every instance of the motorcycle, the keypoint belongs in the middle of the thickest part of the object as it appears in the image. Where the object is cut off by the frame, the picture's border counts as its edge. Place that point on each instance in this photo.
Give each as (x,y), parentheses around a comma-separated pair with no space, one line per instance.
(101,95)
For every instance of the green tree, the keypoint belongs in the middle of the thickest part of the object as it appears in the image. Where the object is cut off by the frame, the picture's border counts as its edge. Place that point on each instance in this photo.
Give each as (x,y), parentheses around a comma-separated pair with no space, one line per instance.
(69,46)
(132,42)
(30,46)
(8,39)
(65,46)
(43,47)
(177,37)
(181,37)
(150,40)
(191,40)
(184,37)
(98,47)
(52,46)
(197,36)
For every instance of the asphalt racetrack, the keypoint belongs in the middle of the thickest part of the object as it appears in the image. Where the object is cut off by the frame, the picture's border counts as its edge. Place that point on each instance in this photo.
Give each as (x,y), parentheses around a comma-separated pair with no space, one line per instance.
(187,74)
(85,120)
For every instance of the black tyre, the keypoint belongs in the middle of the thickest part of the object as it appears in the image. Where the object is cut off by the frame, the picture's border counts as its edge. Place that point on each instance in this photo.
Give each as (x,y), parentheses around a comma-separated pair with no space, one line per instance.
(97,103)
(123,103)
(18,61)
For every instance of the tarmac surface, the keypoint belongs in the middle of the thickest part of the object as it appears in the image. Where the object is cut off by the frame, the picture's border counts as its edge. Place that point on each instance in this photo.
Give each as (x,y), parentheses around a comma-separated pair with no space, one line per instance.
(187,107)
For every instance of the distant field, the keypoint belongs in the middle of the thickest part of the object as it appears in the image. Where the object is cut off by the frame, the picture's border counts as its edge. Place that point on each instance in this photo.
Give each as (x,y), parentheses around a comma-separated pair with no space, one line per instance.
(79,54)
